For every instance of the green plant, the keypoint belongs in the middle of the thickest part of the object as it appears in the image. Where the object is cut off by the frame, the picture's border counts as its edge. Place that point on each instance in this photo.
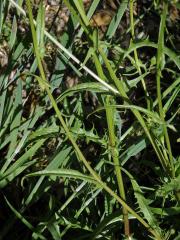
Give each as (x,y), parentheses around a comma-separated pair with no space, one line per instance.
(81,164)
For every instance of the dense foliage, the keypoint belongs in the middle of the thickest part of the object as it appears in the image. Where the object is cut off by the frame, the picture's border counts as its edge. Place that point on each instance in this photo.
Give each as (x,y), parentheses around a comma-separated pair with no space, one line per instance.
(89,119)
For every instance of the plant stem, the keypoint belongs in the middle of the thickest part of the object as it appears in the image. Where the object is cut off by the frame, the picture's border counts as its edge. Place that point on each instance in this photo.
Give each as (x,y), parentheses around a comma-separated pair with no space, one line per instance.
(159,67)
(131,9)
(112,143)
(115,157)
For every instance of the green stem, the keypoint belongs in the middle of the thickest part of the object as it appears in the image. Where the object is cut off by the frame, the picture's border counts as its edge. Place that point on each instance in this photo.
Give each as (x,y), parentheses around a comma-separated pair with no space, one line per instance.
(131,9)
(159,67)
(115,157)
(69,135)
(112,143)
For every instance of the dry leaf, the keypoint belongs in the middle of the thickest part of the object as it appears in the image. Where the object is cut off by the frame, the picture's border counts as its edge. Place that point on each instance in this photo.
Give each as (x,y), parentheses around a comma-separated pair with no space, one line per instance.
(101,18)
(71,81)
(174,13)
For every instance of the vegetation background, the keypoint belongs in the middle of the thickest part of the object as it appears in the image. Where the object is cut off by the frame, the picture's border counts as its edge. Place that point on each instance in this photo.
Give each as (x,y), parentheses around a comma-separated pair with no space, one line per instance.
(89,119)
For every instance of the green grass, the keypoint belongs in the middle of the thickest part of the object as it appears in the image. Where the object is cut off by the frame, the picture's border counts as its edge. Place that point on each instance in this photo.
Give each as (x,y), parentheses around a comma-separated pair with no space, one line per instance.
(90,162)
